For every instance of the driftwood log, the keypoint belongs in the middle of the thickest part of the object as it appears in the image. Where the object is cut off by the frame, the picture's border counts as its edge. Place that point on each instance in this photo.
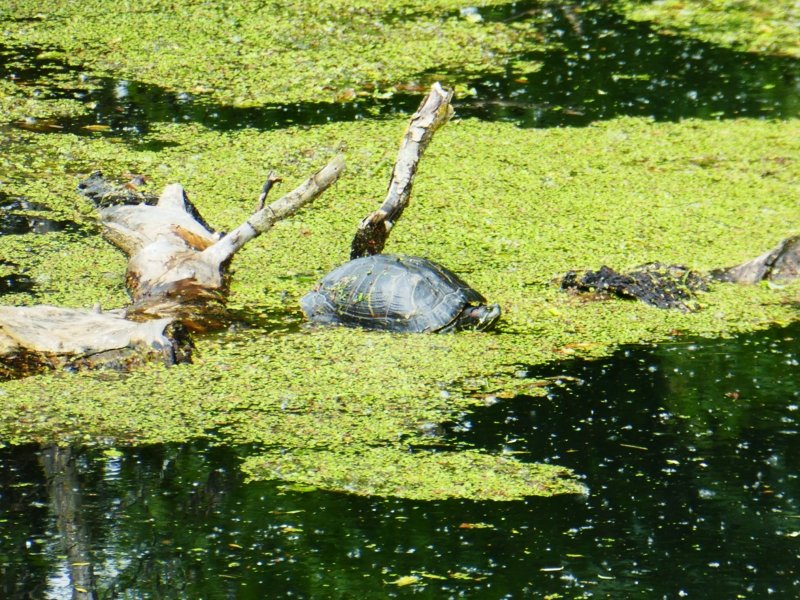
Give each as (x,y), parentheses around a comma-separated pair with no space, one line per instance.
(177,272)
(177,276)
(178,266)
(36,338)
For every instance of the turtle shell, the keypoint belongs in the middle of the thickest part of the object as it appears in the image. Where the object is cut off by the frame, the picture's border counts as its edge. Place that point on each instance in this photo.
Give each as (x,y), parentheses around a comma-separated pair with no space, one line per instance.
(391,293)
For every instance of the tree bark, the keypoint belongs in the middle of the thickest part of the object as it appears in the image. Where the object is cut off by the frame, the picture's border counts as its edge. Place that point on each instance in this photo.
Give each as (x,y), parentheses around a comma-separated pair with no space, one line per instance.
(374,229)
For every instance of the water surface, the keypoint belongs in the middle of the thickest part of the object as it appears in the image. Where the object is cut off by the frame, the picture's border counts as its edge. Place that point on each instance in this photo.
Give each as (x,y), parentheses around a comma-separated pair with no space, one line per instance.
(597,65)
(689,449)
(690,452)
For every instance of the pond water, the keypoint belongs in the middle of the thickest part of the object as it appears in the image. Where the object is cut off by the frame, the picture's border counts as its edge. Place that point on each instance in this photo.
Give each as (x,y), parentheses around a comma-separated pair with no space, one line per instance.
(599,66)
(690,452)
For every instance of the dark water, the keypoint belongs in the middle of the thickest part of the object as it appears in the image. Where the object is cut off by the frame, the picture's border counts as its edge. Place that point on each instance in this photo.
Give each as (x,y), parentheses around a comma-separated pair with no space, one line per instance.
(598,66)
(20,216)
(15,283)
(601,66)
(690,453)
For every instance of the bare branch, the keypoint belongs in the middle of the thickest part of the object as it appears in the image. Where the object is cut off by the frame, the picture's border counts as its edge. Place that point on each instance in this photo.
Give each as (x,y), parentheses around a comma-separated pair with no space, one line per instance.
(374,229)
(272,179)
(264,219)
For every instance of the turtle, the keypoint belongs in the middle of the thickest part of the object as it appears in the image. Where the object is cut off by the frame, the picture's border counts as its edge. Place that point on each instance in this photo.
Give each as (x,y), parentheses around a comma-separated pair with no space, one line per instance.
(400,294)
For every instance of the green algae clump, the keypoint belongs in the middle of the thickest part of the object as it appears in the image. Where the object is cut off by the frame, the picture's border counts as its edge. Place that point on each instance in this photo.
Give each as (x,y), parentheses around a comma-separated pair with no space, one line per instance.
(752,25)
(421,475)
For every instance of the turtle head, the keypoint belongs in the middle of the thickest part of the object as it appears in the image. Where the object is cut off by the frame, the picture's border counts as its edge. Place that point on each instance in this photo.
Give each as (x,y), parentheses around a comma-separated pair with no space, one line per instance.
(478,317)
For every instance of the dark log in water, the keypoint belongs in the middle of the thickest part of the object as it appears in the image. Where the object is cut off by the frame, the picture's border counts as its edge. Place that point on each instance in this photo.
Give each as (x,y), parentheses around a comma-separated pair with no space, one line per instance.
(673,286)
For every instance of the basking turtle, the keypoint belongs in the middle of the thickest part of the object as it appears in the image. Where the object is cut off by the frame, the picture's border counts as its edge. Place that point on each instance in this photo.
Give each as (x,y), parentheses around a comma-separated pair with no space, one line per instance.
(397,293)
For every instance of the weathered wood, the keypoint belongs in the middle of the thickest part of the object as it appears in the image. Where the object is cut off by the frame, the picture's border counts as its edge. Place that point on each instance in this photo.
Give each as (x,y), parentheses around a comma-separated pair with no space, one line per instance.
(374,229)
(263,220)
(177,276)
(178,265)
(782,263)
(37,338)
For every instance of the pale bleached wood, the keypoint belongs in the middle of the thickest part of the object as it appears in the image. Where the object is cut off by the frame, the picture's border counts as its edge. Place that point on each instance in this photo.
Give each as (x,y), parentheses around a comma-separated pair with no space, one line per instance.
(177,265)
(264,219)
(374,229)
(177,276)
(36,338)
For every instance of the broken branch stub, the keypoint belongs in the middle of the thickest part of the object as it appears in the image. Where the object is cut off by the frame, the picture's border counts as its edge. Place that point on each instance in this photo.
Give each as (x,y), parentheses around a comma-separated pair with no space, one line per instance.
(782,263)
(374,229)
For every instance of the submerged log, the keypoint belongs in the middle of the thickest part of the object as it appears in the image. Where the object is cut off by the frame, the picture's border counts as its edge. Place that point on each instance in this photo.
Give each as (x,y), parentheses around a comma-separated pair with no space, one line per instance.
(374,229)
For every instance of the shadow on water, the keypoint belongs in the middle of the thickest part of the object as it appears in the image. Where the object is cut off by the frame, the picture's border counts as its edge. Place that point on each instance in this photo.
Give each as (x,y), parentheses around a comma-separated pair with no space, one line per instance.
(597,65)
(19,224)
(15,283)
(120,106)
(689,451)
(19,216)
(691,454)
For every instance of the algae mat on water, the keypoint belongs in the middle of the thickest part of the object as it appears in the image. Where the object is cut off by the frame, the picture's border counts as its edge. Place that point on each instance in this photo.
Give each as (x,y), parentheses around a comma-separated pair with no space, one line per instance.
(509,209)
(251,52)
(752,25)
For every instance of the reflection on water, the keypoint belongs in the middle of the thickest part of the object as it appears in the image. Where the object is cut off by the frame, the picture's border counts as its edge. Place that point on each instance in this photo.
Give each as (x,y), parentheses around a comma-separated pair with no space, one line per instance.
(690,452)
(128,107)
(597,65)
